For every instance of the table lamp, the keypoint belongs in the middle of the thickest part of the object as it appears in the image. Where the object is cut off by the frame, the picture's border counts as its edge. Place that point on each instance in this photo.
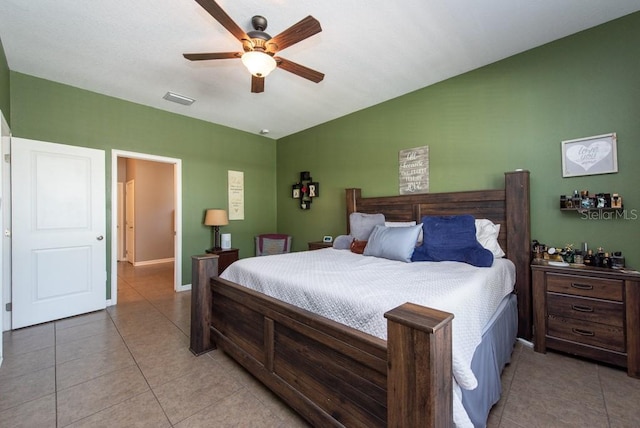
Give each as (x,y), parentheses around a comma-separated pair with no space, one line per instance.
(216,218)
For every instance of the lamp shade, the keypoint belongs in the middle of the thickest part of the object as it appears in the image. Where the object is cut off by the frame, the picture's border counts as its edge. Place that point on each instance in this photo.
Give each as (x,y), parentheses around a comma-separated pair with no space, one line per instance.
(258,63)
(216,217)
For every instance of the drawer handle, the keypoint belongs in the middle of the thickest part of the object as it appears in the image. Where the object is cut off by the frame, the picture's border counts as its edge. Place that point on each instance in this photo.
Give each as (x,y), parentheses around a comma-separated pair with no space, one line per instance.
(583,332)
(582,286)
(580,308)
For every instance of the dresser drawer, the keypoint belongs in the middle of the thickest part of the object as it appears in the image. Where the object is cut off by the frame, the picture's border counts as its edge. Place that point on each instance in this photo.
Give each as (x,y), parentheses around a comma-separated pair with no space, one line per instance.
(587,309)
(590,333)
(599,288)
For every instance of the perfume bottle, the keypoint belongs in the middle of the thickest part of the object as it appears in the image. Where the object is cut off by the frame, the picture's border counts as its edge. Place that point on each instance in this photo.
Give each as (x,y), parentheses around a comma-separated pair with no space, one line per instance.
(578,257)
(606,261)
(588,259)
(617,260)
(598,258)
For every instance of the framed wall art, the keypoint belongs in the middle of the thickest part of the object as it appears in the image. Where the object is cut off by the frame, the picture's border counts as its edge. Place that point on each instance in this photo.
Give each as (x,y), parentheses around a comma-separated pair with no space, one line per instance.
(235,181)
(590,156)
(413,170)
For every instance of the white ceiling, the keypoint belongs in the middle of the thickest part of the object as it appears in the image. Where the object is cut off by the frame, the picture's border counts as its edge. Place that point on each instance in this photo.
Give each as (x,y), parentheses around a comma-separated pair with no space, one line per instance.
(370,51)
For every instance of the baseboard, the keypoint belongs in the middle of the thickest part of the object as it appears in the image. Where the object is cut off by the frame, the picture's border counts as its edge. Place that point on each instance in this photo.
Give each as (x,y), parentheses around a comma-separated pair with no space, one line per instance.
(153,262)
(184,287)
(525,342)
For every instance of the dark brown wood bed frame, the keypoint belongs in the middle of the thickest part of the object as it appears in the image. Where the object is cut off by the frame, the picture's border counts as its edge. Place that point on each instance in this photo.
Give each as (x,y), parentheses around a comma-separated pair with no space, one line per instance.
(334,375)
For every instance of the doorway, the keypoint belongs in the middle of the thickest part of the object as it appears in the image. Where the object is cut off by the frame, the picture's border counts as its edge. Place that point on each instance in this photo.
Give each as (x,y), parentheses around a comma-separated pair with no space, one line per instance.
(177,224)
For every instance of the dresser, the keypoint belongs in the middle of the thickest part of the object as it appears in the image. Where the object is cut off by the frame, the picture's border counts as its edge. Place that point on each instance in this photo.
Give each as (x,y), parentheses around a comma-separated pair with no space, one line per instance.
(589,312)
(225,258)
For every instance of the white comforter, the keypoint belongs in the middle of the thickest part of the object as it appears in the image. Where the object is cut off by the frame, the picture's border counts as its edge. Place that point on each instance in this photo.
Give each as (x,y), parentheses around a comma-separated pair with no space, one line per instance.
(357,290)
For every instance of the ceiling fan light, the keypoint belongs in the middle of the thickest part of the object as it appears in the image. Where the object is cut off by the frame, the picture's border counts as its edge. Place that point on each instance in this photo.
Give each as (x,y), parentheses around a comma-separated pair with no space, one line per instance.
(258,63)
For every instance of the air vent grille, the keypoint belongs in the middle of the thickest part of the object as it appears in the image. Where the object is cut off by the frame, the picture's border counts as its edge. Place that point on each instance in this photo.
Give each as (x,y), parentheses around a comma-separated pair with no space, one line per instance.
(177,98)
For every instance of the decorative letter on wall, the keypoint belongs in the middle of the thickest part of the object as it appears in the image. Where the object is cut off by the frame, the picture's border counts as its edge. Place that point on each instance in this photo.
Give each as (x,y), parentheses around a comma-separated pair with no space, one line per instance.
(305,190)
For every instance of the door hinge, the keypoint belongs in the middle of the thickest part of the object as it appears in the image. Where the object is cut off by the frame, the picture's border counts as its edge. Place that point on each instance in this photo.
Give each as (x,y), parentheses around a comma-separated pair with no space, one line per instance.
(7,158)
(8,307)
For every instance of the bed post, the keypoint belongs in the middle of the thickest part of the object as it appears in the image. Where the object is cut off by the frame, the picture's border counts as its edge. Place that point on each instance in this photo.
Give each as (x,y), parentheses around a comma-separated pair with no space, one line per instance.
(352,197)
(519,245)
(203,268)
(419,367)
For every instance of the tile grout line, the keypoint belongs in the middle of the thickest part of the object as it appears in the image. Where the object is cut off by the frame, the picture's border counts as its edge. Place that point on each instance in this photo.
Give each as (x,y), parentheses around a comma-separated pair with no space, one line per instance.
(134,358)
(604,401)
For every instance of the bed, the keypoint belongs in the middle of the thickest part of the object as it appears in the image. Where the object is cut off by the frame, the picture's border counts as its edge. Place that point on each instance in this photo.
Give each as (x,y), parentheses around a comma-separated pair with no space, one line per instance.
(335,375)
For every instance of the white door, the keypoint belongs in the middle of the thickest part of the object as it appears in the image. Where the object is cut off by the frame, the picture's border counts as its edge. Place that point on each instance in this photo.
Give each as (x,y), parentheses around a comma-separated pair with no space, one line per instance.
(129,221)
(58,243)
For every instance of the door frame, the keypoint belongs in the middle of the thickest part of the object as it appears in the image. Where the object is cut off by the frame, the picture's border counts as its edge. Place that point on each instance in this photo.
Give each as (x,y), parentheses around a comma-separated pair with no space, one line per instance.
(120,219)
(129,216)
(177,259)
(5,225)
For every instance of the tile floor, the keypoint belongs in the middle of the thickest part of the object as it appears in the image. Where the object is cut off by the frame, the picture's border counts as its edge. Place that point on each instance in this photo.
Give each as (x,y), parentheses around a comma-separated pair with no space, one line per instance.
(129,366)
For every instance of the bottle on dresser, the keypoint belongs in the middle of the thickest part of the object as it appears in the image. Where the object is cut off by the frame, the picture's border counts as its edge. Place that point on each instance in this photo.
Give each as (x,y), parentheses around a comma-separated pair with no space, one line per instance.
(588,258)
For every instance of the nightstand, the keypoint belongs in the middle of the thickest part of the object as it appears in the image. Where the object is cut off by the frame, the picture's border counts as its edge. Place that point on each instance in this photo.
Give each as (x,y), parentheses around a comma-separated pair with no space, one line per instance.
(589,312)
(225,257)
(318,245)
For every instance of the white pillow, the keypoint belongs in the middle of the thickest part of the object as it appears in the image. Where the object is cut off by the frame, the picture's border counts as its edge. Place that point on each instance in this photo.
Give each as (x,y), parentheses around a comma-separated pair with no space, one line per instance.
(487,235)
(393,243)
(405,224)
(399,223)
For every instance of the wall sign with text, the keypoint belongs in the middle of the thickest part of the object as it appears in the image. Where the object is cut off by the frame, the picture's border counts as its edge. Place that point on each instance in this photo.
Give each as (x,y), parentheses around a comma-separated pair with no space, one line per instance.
(589,156)
(236,194)
(413,170)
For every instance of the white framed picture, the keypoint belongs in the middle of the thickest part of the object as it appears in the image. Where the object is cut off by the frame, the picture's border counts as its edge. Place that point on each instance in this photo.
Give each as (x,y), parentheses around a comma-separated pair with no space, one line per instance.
(590,156)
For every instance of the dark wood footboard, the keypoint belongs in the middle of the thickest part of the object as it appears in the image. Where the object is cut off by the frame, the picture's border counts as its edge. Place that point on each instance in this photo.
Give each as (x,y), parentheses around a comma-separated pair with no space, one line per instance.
(331,374)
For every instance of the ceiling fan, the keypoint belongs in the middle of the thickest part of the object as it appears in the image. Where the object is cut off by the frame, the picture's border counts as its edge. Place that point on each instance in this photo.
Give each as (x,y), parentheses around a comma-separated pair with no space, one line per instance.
(260,48)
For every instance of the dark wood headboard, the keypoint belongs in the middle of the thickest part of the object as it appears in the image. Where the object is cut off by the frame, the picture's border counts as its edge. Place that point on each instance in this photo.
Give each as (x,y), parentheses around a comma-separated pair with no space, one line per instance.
(508,207)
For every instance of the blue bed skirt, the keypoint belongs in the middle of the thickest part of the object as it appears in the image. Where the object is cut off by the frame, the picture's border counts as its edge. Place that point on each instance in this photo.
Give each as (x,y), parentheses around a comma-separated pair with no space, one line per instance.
(490,357)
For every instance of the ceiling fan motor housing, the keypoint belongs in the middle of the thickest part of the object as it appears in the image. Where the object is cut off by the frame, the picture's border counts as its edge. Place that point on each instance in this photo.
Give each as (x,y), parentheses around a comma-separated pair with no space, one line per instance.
(259,47)
(258,37)
(259,23)
(256,44)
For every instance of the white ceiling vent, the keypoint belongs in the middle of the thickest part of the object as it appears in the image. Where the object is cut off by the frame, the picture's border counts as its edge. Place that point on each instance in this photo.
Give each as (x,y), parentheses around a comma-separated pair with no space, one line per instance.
(180,99)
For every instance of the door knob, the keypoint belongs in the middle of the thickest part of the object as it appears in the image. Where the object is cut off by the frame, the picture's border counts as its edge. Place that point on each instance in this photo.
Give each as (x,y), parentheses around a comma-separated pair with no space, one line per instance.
(100,238)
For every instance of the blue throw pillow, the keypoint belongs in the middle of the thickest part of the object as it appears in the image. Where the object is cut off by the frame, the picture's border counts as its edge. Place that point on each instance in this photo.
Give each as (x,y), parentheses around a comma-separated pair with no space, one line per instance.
(393,243)
(451,238)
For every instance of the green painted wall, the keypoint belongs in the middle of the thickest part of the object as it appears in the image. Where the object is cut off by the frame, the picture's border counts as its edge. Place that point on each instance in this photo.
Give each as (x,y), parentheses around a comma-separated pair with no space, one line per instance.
(4,85)
(511,114)
(48,111)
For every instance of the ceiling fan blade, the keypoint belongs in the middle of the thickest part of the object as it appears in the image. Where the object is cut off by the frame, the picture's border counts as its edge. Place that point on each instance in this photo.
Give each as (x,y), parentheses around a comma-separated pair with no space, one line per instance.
(300,70)
(221,16)
(214,55)
(257,84)
(297,32)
